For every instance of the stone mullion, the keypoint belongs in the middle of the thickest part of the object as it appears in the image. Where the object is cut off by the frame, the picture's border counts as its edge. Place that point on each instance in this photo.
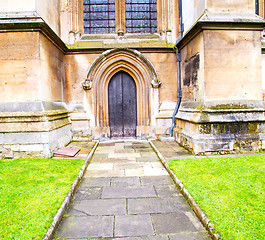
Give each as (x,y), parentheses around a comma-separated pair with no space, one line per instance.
(261,8)
(159,15)
(120,15)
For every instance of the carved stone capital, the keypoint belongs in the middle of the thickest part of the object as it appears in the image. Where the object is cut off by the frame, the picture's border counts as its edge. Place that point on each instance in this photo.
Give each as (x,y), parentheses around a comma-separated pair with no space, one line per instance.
(155,83)
(87,84)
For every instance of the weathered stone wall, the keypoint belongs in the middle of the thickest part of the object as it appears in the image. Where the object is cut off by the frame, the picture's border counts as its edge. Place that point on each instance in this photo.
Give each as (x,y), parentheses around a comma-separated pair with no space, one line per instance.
(263,76)
(76,69)
(192,11)
(31,68)
(19,66)
(192,69)
(232,64)
(71,20)
(228,6)
(166,66)
(49,10)
(52,71)
(17,6)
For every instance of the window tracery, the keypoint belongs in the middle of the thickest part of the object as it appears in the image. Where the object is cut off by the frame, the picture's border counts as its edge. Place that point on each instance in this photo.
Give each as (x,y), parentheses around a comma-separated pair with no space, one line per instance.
(138,16)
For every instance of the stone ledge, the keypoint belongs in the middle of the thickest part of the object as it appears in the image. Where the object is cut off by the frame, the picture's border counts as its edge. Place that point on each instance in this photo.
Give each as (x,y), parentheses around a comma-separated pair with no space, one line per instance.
(32,116)
(222,21)
(202,143)
(39,143)
(222,112)
(32,106)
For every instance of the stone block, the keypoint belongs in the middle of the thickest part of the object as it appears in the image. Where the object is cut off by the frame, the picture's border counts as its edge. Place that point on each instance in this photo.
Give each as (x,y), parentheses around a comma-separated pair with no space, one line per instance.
(128,192)
(133,225)
(189,236)
(172,223)
(156,180)
(153,205)
(101,207)
(31,148)
(125,181)
(87,193)
(86,227)
(167,191)
(94,182)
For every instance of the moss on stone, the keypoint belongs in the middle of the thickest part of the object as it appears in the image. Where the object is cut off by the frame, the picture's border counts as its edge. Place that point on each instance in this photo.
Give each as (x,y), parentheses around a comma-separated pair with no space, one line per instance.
(253,127)
(205,128)
(228,106)
(91,44)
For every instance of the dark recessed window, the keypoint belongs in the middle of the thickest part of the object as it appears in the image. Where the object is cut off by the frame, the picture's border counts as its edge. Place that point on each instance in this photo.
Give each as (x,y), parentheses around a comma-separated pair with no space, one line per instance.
(141,16)
(99,16)
(135,16)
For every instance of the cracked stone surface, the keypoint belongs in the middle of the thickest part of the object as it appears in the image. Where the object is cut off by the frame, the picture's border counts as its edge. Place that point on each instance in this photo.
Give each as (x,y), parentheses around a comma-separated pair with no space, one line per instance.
(126,194)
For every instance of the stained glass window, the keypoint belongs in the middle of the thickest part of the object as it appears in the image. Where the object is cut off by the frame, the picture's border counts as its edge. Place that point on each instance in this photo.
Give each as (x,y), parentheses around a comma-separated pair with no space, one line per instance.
(99,16)
(141,16)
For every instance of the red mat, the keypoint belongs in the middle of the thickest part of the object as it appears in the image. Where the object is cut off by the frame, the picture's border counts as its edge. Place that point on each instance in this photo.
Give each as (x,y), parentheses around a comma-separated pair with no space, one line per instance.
(66,151)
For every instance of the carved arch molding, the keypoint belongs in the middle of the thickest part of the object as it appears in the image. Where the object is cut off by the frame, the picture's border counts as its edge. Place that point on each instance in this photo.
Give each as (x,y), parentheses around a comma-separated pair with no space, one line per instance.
(102,70)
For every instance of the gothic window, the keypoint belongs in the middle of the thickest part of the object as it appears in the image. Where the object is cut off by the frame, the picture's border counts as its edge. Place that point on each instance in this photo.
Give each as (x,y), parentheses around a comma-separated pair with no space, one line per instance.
(99,16)
(141,16)
(109,16)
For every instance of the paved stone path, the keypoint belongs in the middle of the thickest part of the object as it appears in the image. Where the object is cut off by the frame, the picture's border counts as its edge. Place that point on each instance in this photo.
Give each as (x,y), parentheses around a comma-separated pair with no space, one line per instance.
(126,194)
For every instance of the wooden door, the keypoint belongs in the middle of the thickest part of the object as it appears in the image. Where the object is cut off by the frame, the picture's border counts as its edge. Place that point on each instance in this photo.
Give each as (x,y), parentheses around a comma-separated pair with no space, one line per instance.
(122,105)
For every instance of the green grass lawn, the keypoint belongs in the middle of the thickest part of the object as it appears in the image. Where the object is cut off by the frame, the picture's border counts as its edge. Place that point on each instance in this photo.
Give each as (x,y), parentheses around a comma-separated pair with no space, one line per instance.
(31,192)
(230,191)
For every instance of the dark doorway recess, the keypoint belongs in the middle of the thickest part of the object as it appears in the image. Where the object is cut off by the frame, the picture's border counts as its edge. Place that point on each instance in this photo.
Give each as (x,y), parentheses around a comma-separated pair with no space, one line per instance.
(122,106)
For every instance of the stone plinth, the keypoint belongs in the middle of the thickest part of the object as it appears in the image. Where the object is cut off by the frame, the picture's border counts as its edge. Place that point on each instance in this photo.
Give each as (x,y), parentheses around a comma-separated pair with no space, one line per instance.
(35,132)
(216,127)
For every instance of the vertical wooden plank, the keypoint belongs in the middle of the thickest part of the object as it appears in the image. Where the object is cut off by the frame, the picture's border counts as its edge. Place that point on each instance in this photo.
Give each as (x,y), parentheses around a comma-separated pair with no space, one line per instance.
(122,106)
(115,106)
(129,106)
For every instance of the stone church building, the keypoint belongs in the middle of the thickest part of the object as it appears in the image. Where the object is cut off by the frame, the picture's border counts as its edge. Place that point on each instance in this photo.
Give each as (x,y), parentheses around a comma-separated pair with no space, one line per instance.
(100,69)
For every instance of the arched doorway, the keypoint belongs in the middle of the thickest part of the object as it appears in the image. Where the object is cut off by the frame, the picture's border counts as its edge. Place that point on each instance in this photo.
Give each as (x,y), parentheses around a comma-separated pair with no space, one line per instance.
(122,105)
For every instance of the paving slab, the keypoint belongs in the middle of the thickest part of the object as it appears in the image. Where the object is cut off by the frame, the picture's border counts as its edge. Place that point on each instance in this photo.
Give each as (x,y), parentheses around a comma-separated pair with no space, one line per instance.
(171,150)
(150,171)
(129,192)
(147,159)
(134,172)
(155,205)
(125,181)
(86,226)
(167,191)
(105,173)
(124,155)
(127,150)
(100,166)
(190,236)
(88,193)
(131,165)
(172,223)
(101,207)
(127,160)
(156,180)
(133,225)
(87,181)
(160,237)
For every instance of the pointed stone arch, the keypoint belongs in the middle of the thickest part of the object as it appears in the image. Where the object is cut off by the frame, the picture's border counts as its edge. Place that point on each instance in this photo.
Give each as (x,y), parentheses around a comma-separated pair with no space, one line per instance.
(135,64)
